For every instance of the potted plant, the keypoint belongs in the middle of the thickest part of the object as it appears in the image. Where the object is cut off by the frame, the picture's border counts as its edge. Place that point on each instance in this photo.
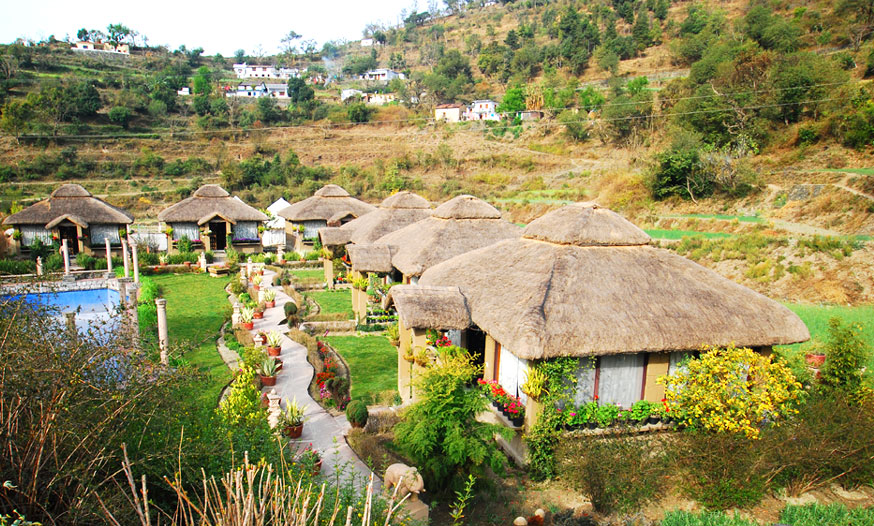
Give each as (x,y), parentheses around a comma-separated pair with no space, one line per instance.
(408,355)
(516,412)
(269,298)
(655,414)
(815,359)
(256,282)
(606,415)
(291,420)
(267,372)
(535,384)
(356,413)
(590,411)
(274,342)
(246,316)
(162,259)
(311,460)
(393,333)
(640,412)
(259,311)
(421,357)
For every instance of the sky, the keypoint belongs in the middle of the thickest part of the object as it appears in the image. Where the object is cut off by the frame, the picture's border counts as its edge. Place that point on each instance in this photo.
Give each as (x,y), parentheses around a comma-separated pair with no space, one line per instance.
(218,26)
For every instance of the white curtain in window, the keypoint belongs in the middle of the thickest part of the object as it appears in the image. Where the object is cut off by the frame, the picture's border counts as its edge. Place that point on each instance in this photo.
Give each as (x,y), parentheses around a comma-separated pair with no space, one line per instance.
(585,374)
(186,229)
(620,379)
(311,228)
(99,233)
(512,373)
(677,358)
(454,336)
(30,233)
(246,230)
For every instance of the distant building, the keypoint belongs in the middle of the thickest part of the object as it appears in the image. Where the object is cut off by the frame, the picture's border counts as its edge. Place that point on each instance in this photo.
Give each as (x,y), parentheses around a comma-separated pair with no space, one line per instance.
(530,115)
(350,93)
(448,112)
(383,74)
(246,71)
(259,89)
(380,99)
(184,90)
(106,47)
(482,110)
(366,42)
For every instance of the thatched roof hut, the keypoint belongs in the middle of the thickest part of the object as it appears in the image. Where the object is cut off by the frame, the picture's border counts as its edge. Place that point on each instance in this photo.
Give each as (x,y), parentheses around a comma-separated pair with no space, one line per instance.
(394,213)
(327,202)
(335,236)
(442,308)
(459,225)
(73,203)
(208,202)
(583,281)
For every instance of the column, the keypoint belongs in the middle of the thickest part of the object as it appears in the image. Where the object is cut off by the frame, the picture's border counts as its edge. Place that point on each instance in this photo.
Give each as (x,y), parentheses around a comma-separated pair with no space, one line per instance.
(162,329)
(280,253)
(124,258)
(39,265)
(108,256)
(202,261)
(136,262)
(66,253)
(249,266)
(235,317)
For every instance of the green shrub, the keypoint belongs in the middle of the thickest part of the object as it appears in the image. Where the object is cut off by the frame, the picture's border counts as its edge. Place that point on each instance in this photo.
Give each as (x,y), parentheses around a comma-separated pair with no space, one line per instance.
(723,469)
(846,356)
(356,413)
(14,266)
(184,244)
(440,432)
(618,474)
(210,257)
(147,259)
(86,261)
(290,308)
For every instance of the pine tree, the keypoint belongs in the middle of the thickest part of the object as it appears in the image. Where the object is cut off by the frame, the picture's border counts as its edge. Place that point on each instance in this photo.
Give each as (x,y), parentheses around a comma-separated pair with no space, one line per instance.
(640,31)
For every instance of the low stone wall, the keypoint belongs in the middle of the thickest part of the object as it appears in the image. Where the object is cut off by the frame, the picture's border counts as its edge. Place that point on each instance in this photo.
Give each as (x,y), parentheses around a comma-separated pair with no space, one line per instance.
(381,419)
(319,327)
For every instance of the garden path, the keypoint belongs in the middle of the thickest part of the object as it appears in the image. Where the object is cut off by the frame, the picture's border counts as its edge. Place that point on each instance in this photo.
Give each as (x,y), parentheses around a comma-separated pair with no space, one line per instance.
(323,431)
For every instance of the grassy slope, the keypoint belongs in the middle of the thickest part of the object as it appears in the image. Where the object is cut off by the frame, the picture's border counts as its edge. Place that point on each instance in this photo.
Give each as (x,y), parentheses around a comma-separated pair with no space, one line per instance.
(372,362)
(816,317)
(334,301)
(196,305)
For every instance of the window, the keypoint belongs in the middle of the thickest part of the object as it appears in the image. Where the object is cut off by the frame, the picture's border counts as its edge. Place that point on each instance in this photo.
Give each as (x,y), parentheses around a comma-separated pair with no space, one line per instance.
(620,378)
(246,230)
(512,373)
(30,233)
(585,374)
(185,229)
(99,233)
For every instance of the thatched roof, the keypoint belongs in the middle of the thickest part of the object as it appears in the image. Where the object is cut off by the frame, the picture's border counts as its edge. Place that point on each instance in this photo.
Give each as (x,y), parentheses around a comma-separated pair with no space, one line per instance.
(440,308)
(460,225)
(334,236)
(394,213)
(542,296)
(208,202)
(326,203)
(370,258)
(74,203)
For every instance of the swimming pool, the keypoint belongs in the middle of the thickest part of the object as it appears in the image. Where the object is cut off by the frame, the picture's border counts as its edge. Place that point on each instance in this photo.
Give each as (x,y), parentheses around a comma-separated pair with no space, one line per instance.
(96,309)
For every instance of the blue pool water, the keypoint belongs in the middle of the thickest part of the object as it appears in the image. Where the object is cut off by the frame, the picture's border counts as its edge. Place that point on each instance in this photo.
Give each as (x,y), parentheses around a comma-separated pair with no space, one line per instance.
(96,309)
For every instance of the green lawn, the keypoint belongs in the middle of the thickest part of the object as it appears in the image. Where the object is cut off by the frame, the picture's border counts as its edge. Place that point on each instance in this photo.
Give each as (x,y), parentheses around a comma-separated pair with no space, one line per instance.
(860,171)
(373,364)
(196,308)
(658,233)
(305,274)
(742,219)
(816,317)
(334,301)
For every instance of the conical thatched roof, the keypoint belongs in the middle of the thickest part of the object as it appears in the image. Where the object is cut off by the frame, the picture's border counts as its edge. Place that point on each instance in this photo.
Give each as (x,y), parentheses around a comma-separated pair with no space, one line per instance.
(394,213)
(541,298)
(326,203)
(460,225)
(440,308)
(370,258)
(70,202)
(208,202)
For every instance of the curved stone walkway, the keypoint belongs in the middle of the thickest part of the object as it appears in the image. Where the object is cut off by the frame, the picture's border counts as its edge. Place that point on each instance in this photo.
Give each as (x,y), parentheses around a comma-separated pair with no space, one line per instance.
(325,432)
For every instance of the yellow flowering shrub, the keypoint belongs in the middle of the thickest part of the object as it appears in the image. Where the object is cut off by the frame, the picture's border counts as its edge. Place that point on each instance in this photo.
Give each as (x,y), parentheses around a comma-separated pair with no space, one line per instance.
(242,406)
(732,390)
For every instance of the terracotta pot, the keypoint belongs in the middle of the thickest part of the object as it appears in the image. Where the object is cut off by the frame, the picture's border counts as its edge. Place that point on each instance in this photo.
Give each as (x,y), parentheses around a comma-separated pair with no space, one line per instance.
(265,402)
(317,468)
(269,304)
(268,381)
(815,359)
(258,316)
(293,431)
(248,325)
(188,264)
(256,288)
(274,351)
(356,425)
(278,363)
(409,358)
(282,262)
(163,264)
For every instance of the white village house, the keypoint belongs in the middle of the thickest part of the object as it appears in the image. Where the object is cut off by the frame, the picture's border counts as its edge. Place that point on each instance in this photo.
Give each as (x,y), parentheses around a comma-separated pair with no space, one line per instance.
(259,89)
(448,112)
(84,45)
(246,71)
(274,228)
(482,110)
(383,74)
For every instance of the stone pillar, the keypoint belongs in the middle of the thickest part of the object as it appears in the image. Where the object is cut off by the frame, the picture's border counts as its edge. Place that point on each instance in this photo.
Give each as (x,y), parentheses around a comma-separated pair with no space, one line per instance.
(329,272)
(235,317)
(244,281)
(273,409)
(108,256)
(124,258)
(162,329)
(71,324)
(280,253)
(136,261)
(202,261)
(249,266)
(39,265)
(66,252)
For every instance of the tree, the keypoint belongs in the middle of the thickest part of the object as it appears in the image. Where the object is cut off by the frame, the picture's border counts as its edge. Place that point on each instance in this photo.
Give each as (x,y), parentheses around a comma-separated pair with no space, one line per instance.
(846,356)
(512,40)
(640,31)
(441,433)
(118,33)
(120,115)
(661,10)
(203,81)
(15,117)
(268,111)
(358,112)
(239,55)
(513,101)
(298,91)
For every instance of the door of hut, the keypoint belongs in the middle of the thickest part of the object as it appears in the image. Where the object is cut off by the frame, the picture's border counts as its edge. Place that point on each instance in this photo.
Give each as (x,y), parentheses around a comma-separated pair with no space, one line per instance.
(72,236)
(218,238)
